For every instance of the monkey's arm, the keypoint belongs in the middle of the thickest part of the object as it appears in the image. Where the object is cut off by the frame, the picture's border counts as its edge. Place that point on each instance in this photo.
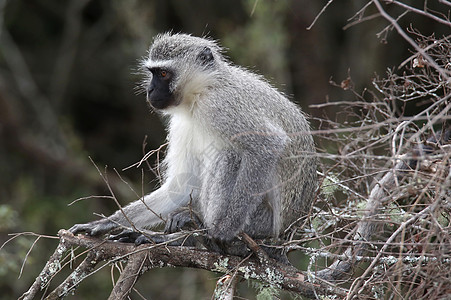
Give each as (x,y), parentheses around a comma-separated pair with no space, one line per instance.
(240,179)
(146,212)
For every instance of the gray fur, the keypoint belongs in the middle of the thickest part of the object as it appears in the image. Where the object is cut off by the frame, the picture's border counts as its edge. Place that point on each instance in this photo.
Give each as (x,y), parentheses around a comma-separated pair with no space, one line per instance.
(239,151)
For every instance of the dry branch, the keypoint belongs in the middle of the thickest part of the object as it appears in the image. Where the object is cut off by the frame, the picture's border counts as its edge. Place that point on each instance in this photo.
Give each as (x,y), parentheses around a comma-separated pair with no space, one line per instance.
(143,258)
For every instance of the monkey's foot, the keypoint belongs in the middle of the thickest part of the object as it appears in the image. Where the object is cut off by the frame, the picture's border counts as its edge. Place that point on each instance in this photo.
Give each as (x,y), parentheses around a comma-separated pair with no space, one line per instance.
(182,218)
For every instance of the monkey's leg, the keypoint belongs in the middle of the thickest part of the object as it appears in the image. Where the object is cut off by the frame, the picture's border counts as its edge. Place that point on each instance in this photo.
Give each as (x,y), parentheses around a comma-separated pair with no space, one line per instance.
(238,181)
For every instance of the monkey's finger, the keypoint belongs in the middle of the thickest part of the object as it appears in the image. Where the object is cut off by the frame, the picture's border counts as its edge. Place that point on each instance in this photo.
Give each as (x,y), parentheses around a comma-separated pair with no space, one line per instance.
(125,239)
(168,228)
(142,239)
(77,228)
(126,236)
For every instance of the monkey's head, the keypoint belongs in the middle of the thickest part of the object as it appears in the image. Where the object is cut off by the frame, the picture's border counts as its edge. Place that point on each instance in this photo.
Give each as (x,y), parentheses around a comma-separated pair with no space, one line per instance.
(180,69)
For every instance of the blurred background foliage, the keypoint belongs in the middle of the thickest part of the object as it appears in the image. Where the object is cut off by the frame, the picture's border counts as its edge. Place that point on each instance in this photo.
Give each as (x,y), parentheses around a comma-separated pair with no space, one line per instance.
(68,77)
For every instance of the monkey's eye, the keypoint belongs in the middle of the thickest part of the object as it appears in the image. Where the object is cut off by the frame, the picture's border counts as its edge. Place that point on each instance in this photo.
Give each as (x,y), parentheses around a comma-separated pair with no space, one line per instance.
(165,75)
(160,73)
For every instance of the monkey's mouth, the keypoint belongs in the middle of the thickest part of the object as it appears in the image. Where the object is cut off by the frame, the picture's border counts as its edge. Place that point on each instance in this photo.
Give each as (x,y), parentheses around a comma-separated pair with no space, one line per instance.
(160,103)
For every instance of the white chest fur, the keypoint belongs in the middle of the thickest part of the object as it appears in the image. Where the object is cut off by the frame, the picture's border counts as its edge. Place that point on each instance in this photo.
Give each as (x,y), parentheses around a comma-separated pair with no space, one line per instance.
(192,147)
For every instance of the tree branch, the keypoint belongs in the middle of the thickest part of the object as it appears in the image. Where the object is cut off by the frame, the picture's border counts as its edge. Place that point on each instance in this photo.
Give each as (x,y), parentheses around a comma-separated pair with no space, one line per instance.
(143,258)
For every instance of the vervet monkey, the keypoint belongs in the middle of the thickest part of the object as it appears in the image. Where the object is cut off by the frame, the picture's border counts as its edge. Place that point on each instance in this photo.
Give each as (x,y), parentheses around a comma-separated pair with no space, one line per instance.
(240,156)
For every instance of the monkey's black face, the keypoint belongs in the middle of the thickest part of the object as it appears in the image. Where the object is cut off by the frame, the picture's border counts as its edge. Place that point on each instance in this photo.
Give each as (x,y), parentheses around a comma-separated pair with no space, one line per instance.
(159,94)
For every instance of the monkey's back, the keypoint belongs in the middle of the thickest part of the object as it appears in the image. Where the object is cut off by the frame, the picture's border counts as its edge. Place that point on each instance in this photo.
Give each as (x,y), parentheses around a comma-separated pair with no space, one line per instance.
(297,169)
(257,105)
(297,165)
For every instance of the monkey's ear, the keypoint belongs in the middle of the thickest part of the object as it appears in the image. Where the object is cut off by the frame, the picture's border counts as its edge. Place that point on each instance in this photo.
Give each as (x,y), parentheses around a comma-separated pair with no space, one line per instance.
(205,56)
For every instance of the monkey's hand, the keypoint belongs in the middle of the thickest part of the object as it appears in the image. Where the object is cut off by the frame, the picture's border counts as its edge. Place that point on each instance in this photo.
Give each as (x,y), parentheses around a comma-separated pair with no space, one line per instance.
(146,237)
(183,218)
(138,238)
(94,228)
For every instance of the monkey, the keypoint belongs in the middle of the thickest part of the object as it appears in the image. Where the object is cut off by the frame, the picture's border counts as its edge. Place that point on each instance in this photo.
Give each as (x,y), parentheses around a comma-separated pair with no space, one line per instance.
(240,157)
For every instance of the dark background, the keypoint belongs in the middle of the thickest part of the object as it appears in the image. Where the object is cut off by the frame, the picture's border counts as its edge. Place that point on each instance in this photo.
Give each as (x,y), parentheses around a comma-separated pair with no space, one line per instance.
(68,78)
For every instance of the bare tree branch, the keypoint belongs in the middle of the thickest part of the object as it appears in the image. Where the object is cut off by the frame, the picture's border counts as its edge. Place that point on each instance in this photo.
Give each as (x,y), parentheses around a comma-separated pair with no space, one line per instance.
(143,258)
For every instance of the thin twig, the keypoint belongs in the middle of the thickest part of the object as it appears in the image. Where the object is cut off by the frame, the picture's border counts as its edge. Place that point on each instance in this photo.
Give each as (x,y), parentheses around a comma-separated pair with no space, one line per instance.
(320,13)
(401,32)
